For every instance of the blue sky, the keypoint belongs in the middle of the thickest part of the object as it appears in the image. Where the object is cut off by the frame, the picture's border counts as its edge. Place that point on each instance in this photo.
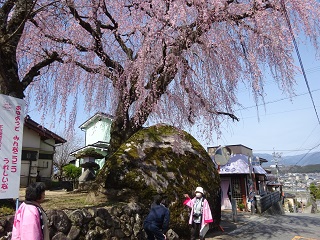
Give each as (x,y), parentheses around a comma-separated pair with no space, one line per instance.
(289,126)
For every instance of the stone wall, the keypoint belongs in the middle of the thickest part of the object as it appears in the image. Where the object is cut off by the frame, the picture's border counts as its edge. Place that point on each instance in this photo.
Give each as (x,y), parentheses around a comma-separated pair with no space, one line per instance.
(118,222)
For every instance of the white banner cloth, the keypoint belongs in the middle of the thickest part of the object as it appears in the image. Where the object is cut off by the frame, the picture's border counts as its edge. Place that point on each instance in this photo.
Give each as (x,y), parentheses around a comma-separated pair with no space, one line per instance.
(11,133)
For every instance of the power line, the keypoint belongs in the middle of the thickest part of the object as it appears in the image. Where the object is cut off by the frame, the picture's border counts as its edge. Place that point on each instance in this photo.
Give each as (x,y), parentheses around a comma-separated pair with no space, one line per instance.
(299,57)
(269,82)
(313,130)
(293,110)
(274,101)
(304,156)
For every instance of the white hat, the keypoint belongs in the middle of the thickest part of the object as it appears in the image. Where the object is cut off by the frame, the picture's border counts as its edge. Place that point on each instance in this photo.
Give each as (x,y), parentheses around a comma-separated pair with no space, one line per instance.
(199,189)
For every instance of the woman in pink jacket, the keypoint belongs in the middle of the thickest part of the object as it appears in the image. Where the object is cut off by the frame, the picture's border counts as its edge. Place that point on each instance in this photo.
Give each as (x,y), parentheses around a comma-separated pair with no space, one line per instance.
(200,215)
(30,220)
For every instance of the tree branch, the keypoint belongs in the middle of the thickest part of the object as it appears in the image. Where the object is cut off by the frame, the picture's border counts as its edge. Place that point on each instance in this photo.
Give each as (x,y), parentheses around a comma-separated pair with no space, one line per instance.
(34,13)
(35,70)
(98,43)
(20,16)
(6,9)
(4,13)
(232,116)
(162,83)
(128,51)
(69,41)
(99,70)
(85,25)
(106,12)
(124,47)
(249,13)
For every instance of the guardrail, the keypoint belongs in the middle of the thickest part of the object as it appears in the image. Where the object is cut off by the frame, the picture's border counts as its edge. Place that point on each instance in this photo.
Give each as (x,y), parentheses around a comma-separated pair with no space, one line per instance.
(265,202)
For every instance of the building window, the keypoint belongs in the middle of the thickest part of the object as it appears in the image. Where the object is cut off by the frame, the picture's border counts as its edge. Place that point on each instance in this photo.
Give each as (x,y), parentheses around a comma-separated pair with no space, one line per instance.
(236,189)
(45,156)
(29,155)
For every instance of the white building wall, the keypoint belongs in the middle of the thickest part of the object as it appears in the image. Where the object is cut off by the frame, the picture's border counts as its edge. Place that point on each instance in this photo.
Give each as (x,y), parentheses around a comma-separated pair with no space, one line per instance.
(45,166)
(31,139)
(47,145)
(98,131)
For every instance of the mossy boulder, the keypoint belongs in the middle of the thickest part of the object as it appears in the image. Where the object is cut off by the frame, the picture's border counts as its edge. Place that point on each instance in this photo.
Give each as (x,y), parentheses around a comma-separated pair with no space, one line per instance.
(161,159)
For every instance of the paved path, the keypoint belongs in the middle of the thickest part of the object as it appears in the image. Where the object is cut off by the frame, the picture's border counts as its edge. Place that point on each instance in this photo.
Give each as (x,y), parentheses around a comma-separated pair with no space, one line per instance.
(297,226)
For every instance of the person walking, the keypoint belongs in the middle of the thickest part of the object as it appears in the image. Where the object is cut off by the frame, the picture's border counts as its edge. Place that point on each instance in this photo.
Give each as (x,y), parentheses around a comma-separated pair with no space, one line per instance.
(156,223)
(200,215)
(30,220)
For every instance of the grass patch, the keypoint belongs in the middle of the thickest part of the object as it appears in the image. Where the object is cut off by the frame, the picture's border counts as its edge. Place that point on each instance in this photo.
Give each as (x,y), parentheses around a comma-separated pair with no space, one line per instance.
(4,211)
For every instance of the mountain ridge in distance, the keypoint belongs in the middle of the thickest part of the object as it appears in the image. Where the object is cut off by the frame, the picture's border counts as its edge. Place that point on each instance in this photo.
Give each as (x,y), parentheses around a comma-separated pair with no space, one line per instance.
(299,160)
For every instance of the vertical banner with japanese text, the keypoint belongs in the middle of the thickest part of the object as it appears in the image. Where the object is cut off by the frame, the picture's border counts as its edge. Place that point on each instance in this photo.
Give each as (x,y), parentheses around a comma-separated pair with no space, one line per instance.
(11,134)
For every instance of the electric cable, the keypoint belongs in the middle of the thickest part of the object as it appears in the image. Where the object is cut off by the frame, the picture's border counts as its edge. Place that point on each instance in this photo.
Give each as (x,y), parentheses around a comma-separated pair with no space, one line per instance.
(298,54)
(303,157)
(277,100)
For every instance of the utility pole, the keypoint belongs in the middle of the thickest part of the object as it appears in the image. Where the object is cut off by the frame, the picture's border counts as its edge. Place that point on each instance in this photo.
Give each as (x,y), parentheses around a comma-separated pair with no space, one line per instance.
(276,158)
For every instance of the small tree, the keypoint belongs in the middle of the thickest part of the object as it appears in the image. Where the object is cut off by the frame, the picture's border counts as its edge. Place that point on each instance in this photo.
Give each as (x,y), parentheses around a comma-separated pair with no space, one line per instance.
(72,172)
(314,195)
(315,191)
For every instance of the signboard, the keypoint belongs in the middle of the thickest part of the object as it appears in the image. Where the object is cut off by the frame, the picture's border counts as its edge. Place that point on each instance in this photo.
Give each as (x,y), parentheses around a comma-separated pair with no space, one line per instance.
(11,133)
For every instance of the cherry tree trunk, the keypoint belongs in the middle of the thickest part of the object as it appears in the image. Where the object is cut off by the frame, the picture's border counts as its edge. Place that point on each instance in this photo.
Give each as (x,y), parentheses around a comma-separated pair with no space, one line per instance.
(120,132)
(9,78)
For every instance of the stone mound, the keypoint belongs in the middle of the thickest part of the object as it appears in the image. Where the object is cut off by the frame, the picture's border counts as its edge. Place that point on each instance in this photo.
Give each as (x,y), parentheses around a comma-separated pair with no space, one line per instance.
(161,159)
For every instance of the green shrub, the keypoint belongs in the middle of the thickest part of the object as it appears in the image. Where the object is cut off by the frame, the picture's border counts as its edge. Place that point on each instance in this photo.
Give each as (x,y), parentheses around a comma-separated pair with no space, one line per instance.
(71,171)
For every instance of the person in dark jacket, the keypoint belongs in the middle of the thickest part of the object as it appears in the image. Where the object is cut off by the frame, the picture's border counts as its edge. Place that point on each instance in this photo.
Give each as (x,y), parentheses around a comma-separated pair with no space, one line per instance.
(156,223)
